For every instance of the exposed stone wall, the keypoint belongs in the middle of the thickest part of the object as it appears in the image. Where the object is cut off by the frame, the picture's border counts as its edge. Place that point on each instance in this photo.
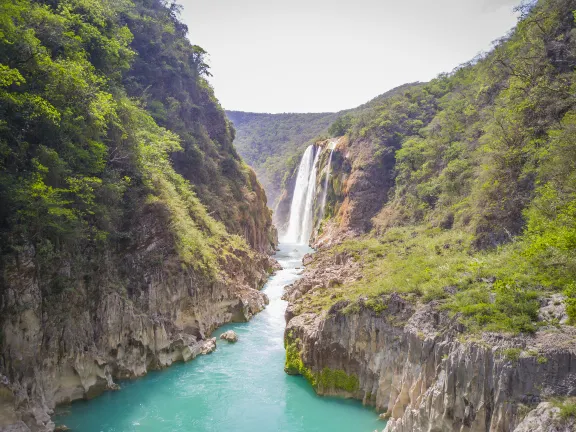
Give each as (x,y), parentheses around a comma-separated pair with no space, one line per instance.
(415,363)
(131,310)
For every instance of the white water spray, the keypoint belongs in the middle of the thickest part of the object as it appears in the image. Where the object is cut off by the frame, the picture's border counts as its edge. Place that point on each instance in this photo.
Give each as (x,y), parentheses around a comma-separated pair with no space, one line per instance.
(307,222)
(300,198)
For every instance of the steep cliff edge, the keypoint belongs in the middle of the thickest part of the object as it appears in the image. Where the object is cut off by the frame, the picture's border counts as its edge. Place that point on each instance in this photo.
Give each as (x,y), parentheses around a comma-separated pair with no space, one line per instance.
(129,227)
(140,309)
(444,289)
(417,364)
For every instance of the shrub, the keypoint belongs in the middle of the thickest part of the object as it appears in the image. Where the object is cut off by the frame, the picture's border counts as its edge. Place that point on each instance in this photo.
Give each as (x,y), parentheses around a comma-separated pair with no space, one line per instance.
(512,354)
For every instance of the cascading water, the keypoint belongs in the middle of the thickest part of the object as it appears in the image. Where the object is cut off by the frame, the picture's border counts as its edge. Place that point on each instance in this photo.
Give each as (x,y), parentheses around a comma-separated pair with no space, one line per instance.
(301,220)
(300,197)
(307,223)
(327,178)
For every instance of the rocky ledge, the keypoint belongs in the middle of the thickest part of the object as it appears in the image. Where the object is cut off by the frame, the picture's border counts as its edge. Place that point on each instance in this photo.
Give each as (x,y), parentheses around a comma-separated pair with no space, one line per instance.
(418,367)
(136,313)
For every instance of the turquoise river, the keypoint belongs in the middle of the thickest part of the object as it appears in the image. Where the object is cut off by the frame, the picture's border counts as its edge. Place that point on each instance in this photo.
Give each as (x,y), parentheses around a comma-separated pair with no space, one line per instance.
(240,387)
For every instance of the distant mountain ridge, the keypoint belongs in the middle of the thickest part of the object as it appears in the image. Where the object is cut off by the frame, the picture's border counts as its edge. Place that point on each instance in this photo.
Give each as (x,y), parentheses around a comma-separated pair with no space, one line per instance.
(272,144)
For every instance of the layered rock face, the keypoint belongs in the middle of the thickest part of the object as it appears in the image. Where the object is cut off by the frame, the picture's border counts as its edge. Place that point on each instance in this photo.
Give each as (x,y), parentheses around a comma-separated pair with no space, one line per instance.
(414,362)
(136,309)
(366,182)
(546,418)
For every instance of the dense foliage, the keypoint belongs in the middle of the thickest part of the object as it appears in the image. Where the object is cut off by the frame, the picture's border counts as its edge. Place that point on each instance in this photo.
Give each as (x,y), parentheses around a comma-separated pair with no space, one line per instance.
(483,212)
(105,111)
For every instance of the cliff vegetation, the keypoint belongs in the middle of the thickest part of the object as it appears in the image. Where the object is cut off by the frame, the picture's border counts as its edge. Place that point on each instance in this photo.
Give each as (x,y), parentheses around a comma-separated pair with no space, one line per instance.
(129,226)
(463,190)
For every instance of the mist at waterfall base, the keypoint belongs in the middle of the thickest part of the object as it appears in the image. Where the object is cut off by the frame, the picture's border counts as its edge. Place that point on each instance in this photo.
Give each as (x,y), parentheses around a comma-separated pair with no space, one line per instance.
(301,221)
(240,387)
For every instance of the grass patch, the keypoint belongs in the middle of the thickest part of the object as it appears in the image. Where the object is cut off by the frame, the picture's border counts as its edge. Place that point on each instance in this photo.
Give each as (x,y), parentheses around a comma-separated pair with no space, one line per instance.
(512,354)
(567,407)
(408,260)
(496,290)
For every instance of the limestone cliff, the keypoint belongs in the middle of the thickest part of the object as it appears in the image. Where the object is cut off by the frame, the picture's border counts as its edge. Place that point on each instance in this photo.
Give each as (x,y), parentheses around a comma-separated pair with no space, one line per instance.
(415,363)
(139,309)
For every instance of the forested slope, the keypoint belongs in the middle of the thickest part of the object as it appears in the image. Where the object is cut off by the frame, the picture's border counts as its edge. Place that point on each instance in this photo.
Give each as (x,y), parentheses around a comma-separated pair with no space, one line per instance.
(467,184)
(272,144)
(482,161)
(444,292)
(129,225)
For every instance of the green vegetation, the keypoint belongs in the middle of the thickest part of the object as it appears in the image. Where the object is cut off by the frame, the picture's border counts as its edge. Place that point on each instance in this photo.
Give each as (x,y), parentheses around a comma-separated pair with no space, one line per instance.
(106,117)
(482,216)
(325,380)
(329,379)
(273,143)
(491,289)
(294,364)
(512,354)
(341,126)
(570,293)
(567,407)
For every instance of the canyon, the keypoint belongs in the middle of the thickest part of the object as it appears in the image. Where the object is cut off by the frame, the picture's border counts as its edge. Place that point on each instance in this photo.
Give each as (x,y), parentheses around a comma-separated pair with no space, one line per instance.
(440,293)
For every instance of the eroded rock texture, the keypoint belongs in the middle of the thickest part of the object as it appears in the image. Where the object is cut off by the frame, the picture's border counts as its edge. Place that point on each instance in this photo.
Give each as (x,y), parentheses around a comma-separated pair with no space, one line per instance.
(416,363)
(130,311)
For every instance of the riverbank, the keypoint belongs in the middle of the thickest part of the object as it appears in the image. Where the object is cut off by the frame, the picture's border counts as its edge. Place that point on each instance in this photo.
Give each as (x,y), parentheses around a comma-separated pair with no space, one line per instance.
(417,364)
(240,386)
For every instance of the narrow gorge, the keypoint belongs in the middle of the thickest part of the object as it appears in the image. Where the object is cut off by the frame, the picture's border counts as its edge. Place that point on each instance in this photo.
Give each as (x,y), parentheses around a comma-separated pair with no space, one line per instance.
(210,393)
(407,265)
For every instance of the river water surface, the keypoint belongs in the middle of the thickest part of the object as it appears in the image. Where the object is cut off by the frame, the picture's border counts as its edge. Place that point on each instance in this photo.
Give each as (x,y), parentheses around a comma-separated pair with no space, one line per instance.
(240,387)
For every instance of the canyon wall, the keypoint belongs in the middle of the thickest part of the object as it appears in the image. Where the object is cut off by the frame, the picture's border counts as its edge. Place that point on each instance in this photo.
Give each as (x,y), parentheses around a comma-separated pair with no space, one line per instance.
(139,309)
(417,366)
(130,228)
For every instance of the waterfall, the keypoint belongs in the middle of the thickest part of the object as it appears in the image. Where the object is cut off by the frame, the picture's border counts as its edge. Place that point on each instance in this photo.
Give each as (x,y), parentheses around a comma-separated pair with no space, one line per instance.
(327,179)
(307,223)
(300,197)
(301,220)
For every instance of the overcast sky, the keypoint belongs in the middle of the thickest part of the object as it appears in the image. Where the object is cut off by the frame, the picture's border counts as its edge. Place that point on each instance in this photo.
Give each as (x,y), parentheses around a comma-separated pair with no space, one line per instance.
(328,55)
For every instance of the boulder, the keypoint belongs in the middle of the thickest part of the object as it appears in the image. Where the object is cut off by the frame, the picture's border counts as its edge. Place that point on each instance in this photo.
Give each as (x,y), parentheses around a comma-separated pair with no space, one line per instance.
(546,418)
(229,336)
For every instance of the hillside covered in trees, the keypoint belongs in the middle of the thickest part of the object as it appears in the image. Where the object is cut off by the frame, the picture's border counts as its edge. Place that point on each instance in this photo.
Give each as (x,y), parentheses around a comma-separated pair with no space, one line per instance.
(125,210)
(444,289)
(467,184)
(272,144)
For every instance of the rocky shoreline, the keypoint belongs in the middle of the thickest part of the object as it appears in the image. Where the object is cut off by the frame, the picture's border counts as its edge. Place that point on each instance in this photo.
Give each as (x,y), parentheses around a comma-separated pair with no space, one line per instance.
(417,365)
(80,349)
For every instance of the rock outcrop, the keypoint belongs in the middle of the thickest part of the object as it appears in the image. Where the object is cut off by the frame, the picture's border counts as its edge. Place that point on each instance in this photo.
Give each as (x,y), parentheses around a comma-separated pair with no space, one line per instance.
(546,418)
(137,313)
(416,363)
(229,336)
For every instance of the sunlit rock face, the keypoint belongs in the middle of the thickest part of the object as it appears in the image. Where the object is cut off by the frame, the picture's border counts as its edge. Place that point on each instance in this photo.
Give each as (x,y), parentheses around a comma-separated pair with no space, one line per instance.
(415,363)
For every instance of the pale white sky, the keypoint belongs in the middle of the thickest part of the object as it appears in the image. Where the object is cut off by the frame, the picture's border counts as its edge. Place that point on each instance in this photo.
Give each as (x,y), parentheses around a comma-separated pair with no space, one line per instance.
(328,55)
